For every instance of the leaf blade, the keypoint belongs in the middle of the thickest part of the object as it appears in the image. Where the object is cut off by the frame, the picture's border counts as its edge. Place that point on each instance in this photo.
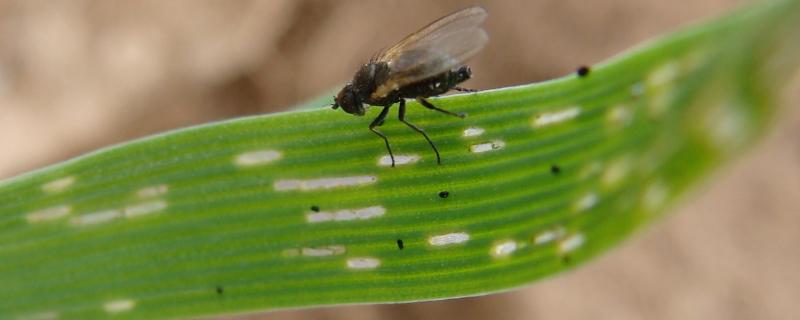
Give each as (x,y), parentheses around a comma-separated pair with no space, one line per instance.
(158,227)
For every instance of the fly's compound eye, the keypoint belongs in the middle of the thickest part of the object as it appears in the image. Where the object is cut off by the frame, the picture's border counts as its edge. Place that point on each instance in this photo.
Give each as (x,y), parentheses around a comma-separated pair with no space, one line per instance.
(350,102)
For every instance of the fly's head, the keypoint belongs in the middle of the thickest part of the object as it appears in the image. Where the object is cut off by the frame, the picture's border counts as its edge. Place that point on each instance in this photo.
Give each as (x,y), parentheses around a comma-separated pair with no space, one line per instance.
(349,101)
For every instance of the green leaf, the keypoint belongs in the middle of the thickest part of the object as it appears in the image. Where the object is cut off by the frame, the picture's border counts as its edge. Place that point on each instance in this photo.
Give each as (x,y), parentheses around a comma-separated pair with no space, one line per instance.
(222,218)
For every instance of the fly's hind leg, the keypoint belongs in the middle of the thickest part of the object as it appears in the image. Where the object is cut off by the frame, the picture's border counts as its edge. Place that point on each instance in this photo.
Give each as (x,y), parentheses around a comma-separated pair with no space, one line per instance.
(377,123)
(402,115)
(427,104)
(464,89)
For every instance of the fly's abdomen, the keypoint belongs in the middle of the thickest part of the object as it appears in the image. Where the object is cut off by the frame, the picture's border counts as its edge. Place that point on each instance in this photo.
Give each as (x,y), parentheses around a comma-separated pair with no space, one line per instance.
(436,85)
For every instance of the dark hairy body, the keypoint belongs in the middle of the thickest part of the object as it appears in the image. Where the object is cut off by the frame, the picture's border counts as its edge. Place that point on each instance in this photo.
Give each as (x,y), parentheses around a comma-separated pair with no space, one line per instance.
(373,74)
(426,63)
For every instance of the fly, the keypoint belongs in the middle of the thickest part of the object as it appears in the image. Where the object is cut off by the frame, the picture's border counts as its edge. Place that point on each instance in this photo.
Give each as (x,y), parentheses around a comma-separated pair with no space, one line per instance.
(426,63)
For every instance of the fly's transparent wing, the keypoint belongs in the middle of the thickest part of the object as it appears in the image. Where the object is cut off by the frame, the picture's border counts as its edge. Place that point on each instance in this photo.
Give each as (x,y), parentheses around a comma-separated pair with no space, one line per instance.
(440,46)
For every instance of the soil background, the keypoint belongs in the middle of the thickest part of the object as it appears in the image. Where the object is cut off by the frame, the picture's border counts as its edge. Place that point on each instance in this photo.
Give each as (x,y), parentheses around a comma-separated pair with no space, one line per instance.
(78,75)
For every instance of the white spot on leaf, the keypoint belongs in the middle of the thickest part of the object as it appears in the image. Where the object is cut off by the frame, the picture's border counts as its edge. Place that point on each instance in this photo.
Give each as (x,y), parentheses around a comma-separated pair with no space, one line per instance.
(144,208)
(586,202)
(616,171)
(118,306)
(660,85)
(728,125)
(504,249)
(660,100)
(257,157)
(153,191)
(346,214)
(58,185)
(324,183)
(488,146)
(386,160)
(619,116)
(473,132)
(48,214)
(664,74)
(96,217)
(448,239)
(555,117)
(46,315)
(323,251)
(571,243)
(548,236)
(363,263)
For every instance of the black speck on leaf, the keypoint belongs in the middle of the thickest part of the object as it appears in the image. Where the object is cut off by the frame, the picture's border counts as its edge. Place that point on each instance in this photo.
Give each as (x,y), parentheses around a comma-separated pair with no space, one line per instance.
(315,208)
(583,71)
(444,194)
(400,244)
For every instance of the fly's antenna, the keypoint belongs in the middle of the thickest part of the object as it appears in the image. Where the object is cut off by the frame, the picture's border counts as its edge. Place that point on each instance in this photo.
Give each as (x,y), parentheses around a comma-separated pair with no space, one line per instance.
(334,105)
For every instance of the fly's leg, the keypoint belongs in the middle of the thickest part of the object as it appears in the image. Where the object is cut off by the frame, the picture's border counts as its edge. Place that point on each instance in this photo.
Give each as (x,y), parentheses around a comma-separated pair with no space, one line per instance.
(464,89)
(377,123)
(427,104)
(402,115)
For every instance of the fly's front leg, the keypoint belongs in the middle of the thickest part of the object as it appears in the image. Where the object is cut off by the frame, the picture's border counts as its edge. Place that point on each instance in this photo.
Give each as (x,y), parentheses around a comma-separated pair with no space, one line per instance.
(402,116)
(429,105)
(377,123)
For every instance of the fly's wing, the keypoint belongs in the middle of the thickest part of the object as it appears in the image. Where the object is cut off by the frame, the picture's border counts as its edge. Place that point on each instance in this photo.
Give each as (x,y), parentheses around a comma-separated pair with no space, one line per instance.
(440,46)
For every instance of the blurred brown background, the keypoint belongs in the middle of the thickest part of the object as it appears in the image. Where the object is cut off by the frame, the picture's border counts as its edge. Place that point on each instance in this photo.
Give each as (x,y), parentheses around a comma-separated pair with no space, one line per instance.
(78,75)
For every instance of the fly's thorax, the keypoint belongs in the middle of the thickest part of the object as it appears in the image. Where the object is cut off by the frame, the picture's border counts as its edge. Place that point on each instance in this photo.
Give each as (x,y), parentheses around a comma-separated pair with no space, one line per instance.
(369,77)
(363,81)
